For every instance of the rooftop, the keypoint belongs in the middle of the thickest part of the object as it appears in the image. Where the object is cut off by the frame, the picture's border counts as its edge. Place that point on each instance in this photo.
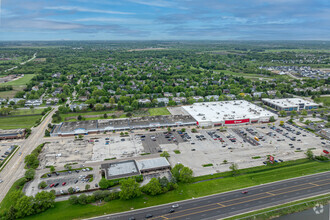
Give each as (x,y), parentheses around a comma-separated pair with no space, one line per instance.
(152,163)
(226,110)
(120,169)
(291,102)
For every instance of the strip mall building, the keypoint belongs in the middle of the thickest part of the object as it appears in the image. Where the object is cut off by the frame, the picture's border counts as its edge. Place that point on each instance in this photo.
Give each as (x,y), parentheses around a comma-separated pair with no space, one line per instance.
(213,114)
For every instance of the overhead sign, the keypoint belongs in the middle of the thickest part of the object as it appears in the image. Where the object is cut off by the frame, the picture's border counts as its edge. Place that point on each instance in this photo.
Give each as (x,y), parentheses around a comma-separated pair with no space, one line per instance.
(237,121)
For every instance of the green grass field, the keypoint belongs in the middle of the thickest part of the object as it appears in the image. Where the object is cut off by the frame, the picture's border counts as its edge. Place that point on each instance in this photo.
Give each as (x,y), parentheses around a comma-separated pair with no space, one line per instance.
(19,82)
(18,122)
(325,100)
(260,175)
(27,111)
(158,111)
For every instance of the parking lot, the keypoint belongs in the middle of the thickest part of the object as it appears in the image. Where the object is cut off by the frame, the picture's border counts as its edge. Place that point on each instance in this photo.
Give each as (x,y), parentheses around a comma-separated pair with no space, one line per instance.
(247,146)
(64,180)
(117,147)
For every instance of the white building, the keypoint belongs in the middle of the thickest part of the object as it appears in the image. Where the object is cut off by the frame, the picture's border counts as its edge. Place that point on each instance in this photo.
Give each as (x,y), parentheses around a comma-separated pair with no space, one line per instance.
(210,114)
(164,100)
(290,104)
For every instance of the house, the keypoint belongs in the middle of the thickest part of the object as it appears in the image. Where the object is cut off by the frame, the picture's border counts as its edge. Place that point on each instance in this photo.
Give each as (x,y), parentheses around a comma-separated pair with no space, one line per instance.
(179,100)
(78,106)
(52,101)
(271,92)
(111,91)
(58,90)
(226,91)
(2,101)
(215,97)
(168,94)
(56,75)
(144,101)
(35,88)
(33,102)
(231,96)
(83,98)
(15,100)
(163,100)
(257,94)
(197,98)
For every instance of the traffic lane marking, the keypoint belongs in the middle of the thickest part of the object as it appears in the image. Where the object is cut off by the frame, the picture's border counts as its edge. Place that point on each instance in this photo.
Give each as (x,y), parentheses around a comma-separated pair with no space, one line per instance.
(245,197)
(245,201)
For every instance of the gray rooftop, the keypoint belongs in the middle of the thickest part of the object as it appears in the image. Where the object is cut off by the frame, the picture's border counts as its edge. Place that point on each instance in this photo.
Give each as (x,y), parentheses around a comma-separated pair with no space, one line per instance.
(152,163)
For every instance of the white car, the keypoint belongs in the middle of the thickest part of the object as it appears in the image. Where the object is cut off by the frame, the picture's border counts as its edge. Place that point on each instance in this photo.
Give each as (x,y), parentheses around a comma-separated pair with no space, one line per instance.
(1,181)
(175,206)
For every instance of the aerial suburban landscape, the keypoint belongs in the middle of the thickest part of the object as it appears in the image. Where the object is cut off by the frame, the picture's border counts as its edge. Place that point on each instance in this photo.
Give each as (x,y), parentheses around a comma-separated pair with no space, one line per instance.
(184,124)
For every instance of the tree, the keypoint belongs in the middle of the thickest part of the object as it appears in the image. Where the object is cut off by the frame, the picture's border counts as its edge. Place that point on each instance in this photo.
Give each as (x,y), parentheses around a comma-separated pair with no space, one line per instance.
(52,169)
(165,154)
(43,200)
(271,119)
(129,189)
(168,129)
(234,169)
(98,107)
(183,130)
(105,115)
(80,118)
(283,113)
(73,200)
(24,206)
(42,185)
(182,173)
(309,154)
(82,199)
(70,190)
(103,183)
(87,187)
(281,123)
(225,161)
(153,187)
(67,166)
(304,112)
(194,130)
(29,174)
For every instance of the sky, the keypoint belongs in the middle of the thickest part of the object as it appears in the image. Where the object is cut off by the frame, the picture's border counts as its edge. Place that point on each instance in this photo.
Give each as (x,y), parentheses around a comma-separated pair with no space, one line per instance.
(164,19)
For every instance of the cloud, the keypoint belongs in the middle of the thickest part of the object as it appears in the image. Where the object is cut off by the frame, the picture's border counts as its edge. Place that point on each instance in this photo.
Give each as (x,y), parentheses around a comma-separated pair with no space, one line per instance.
(116,20)
(81,9)
(159,3)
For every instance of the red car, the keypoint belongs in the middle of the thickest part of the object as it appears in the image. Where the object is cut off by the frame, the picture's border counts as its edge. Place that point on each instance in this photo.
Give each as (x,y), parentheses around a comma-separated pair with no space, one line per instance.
(325,151)
(53,184)
(244,192)
(63,184)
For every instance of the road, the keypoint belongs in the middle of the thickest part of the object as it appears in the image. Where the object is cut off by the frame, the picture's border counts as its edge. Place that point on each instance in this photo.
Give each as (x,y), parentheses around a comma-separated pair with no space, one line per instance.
(23,63)
(15,167)
(232,203)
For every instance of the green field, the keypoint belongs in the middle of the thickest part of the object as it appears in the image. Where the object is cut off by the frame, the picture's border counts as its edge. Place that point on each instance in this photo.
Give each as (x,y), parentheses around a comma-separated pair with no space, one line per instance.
(27,111)
(18,122)
(19,82)
(260,175)
(158,111)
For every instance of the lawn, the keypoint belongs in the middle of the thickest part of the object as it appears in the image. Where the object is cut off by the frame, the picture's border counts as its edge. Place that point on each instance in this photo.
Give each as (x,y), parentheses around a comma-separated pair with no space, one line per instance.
(259,175)
(19,82)
(18,122)
(27,111)
(158,111)
(7,201)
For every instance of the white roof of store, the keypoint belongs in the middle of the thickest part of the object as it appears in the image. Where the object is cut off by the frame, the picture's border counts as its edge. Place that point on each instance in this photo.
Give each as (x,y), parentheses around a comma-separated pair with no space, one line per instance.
(291,102)
(226,110)
(152,163)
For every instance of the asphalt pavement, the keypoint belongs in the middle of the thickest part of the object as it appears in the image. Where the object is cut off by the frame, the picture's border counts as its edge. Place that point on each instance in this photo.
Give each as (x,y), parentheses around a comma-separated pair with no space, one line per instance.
(235,202)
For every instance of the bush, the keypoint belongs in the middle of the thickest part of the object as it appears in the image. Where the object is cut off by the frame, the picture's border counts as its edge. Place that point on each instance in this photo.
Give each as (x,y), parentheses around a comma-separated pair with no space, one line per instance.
(73,200)
(321,158)
(82,199)
(42,185)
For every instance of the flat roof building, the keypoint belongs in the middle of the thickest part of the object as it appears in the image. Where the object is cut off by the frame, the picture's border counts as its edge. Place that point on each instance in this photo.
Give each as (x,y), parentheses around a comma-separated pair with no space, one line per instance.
(210,114)
(153,164)
(290,104)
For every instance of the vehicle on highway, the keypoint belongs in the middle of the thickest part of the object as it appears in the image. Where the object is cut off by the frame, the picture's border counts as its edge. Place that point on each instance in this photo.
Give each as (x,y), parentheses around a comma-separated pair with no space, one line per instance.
(171,211)
(149,215)
(244,192)
(175,206)
(131,218)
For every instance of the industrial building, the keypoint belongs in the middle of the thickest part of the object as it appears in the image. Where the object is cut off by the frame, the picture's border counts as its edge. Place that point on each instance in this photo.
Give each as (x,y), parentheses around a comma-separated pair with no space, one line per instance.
(129,168)
(211,114)
(290,104)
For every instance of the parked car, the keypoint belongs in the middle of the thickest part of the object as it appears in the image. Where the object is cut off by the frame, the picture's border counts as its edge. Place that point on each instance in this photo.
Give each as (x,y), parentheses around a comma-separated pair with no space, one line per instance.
(63,184)
(51,185)
(56,184)
(76,181)
(49,175)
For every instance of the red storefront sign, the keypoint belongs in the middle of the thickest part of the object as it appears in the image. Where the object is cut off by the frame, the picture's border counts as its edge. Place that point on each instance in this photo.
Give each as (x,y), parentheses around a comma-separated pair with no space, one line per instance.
(228,122)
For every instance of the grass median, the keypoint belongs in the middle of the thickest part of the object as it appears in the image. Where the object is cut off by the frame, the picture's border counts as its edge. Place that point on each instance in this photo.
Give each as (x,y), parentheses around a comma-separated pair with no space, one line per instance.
(249,177)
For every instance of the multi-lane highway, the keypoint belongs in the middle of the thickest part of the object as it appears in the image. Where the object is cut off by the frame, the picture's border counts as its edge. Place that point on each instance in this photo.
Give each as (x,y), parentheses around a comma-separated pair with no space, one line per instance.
(15,167)
(232,203)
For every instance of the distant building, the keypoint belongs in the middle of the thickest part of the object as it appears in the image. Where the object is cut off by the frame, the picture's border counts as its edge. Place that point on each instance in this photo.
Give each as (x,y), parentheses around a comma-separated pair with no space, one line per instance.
(143,101)
(78,106)
(215,97)
(290,104)
(12,134)
(15,100)
(179,100)
(163,100)
(34,102)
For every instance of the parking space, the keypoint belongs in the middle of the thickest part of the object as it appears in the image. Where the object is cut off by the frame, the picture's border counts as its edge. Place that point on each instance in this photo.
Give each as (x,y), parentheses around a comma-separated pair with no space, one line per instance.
(64,180)
(247,146)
